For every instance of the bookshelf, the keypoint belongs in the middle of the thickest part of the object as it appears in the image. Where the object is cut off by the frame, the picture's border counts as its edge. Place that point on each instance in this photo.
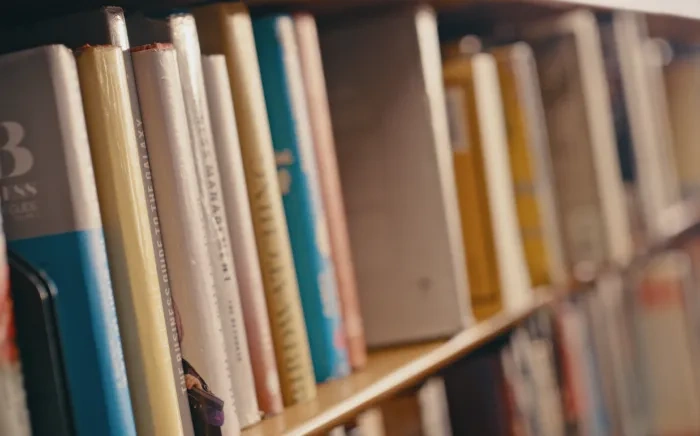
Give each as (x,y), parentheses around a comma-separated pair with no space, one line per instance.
(387,372)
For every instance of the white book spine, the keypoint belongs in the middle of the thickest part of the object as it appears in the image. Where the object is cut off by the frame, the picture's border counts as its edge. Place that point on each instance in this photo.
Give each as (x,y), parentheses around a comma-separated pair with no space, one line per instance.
(512,267)
(183,224)
(435,414)
(240,226)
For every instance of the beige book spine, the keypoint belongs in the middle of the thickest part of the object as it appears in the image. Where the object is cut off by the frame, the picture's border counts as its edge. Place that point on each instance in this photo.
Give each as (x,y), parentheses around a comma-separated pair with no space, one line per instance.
(245,253)
(128,237)
(327,164)
(226,28)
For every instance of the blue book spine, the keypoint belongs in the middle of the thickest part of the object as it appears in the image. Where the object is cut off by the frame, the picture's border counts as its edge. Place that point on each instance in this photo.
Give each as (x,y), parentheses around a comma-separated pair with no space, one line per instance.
(308,232)
(52,219)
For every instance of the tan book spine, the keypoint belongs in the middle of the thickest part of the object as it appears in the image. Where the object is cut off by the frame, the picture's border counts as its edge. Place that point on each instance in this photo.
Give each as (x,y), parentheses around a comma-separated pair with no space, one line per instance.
(226,28)
(327,163)
(245,252)
(128,238)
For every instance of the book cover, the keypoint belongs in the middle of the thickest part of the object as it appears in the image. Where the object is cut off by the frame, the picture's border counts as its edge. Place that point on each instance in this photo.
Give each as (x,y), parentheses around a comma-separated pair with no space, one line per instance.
(33,296)
(195,301)
(106,25)
(245,253)
(435,414)
(130,254)
(388,111)
(491,185)
(52,219)
(14,416)
(530,164)
(589,187)
(329,179)
(287,111)
(226,28)
(180,30)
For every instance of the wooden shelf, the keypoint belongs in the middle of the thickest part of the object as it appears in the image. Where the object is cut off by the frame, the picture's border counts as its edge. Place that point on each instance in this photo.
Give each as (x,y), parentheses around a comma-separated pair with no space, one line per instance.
(388,371)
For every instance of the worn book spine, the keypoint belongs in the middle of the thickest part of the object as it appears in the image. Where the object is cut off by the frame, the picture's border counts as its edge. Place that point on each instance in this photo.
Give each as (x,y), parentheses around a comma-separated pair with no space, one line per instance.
(179,29)
(195,300)
(329,179)
(308,232)
(228,30)
(130,252)
(52,219)
(263,374)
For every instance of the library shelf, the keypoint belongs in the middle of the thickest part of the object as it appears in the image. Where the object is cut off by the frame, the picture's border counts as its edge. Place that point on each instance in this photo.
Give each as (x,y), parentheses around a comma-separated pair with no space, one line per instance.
(388,371)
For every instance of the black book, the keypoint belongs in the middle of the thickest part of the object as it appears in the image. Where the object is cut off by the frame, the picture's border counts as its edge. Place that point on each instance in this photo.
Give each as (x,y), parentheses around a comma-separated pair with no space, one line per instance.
(40,349)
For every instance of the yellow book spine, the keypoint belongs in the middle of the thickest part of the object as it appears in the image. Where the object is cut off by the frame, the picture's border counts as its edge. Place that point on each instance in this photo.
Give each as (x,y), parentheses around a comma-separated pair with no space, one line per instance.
(127,233)
(522,169)
(477,232)
(226,28)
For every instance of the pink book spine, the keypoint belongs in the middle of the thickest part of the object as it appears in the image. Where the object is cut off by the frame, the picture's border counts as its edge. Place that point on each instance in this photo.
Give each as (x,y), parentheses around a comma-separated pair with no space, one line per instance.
(245,253)
(324,146)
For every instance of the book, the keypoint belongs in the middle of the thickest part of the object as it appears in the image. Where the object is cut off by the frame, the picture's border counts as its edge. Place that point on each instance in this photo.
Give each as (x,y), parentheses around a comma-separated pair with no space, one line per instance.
(492,240)
(254,308)
(52,219)
(288,116)
(179,30)
(33,296)
(644,95)
(106,25)
(589,187)
(682,81)
(195,301)
(401,414)
(122,201)
(388,111)
(531,165)
(661,329)
(226,28)
(329,179)
(435,415)
(14,418)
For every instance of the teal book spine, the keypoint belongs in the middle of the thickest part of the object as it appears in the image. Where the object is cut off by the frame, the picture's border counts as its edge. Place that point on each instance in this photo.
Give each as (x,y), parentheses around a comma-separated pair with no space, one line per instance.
(308,232)
(52,220)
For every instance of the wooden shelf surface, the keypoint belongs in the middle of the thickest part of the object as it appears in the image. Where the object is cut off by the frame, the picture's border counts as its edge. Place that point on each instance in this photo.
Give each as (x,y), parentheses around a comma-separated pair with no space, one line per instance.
(388,371)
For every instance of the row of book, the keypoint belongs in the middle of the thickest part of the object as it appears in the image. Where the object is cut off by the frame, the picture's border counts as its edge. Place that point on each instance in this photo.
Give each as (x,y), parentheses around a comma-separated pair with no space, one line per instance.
(238,205)
(616,357)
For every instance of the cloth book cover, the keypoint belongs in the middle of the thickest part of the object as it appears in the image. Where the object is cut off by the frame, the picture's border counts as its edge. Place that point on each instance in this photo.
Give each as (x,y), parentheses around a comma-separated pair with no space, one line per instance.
(52,219)
(298,177)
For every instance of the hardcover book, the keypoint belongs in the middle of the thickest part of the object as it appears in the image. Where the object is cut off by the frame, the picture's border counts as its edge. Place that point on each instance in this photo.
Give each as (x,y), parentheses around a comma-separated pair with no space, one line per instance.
(52,219)
(226,28)
(106,25)
(122,201)
(288,116)
(185,241)
(531,166)
(589,187)
(179,29)
(33,295)
(492,240)
(388,111)
(329,179)
(14,416)
(245,253)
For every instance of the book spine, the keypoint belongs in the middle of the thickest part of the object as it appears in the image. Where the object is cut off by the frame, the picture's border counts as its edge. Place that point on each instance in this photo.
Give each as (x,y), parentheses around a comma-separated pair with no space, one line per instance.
(287,112)
(329,179)
(245,252)
(195,300)
(70,247)
(235,34)
(118,33)
(186,44)
(130,252)
(14,416)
